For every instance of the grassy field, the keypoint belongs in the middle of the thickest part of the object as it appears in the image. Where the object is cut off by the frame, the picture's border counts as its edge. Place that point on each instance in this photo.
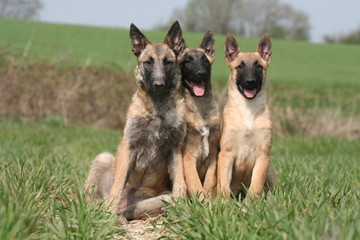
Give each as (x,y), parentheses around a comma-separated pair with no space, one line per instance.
(301,74)
(293,62)
(43,166)
(313,91)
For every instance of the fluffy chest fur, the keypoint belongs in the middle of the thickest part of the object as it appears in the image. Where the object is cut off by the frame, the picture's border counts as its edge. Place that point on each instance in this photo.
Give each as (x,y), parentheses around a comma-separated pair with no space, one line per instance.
(153,136)
(202,119)
(247,127)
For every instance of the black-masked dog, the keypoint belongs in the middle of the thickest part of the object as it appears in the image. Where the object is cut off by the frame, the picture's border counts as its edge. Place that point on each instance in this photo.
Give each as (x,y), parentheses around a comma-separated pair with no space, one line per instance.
(148,165)
(244,159)
(201,144)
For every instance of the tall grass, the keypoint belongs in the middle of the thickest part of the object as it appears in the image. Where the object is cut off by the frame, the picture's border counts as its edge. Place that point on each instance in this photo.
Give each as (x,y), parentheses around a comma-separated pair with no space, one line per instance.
(316,197)
(42,170)
(43,166)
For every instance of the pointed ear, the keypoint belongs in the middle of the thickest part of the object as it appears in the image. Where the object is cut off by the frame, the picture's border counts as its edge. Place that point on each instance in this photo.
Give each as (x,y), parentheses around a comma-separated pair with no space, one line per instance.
(138,40)
(208,43)
(264,47)
(175,39)
(231,48)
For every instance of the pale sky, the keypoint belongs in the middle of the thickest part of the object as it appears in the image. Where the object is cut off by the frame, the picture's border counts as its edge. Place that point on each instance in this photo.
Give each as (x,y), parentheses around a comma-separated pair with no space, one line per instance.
(326,16)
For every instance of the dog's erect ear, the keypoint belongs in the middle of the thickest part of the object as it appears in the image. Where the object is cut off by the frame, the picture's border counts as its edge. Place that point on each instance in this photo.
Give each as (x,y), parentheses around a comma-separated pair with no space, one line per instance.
(175,39)
(208,43)
(138,40)
(231,48)
(264,47)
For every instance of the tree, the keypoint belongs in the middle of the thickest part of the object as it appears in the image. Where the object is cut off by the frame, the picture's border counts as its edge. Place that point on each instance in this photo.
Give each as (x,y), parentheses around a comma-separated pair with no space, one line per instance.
(250,18)
(352,37)
(20,9)
(279,20)
(199,15)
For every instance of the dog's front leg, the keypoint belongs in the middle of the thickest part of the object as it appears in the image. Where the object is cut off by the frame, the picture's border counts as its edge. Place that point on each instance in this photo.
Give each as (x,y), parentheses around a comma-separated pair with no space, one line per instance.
(176,171)
(225,169)
(258,177)
(192,179)
(122,171)
(210,177)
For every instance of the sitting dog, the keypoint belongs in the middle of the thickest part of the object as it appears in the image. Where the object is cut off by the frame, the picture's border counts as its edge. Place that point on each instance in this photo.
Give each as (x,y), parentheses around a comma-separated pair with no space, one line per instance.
(245,143)
(148,165)
(201,144)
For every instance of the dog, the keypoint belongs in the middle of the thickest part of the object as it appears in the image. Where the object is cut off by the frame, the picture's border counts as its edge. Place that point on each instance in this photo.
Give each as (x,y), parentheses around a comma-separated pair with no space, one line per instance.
(201,144)
(246,138)
(147,168)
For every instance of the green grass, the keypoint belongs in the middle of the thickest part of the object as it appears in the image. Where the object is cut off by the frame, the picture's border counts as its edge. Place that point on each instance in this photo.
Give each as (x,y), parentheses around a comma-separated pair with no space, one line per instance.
(317,197)
(293,62)
(43,166)
(42,171)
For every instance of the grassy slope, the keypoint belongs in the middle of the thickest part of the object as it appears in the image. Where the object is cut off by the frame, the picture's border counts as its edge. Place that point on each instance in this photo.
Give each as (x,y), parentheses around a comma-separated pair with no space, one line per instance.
(44,163)
(293,62)
(301,74)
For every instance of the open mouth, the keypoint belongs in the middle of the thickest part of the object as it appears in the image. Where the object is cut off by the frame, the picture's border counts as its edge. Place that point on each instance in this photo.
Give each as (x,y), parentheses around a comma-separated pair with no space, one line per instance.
(198,89)
(248,93)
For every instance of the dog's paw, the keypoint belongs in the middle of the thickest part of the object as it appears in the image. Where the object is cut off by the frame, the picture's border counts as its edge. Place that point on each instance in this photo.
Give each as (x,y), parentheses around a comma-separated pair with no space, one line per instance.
(122,220)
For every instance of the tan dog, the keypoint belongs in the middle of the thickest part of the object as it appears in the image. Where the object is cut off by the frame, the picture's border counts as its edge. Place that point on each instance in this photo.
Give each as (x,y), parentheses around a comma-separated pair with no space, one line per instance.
(201,144)
(245,142)
(148,164)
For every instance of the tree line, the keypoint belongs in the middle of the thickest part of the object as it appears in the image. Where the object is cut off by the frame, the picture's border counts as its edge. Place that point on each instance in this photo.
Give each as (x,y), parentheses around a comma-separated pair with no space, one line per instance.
(248,18)
(20,9)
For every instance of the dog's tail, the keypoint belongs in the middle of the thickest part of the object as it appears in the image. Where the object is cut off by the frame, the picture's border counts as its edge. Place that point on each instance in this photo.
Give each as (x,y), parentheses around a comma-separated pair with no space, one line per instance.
(150,207)
(100,179)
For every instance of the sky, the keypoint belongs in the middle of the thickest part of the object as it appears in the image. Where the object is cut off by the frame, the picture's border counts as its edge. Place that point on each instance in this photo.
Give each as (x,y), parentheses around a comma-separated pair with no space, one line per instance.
(326,16)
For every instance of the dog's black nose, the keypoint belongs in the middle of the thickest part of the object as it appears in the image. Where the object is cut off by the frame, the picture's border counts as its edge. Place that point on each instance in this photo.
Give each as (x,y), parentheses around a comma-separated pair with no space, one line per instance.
(200,74)
(159,85)
(250,83)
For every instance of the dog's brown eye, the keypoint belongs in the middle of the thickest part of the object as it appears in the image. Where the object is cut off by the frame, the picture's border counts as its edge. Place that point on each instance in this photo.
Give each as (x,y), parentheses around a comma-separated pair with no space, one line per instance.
(258,66)
(241,66)
(168,62)
(205,59)
(148,62)
(188,60)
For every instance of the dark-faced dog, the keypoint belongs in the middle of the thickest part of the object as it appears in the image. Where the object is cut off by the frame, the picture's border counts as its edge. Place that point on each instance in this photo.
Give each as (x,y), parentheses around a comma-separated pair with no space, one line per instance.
(245,143)
(201,144)
(148,165)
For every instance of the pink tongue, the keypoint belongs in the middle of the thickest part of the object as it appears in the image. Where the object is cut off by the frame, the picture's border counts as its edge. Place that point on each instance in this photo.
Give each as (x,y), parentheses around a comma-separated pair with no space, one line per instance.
(199,89)
(250,93)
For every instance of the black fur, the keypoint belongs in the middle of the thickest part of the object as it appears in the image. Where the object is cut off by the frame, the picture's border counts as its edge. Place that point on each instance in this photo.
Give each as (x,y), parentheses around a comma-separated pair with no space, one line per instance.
(196,68)
(249,77)
(159,77)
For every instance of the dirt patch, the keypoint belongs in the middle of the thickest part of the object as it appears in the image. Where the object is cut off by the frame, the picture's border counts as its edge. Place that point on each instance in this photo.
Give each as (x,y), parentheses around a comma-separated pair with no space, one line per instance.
(315,122)
(142,229)
(92,95)
(100,97)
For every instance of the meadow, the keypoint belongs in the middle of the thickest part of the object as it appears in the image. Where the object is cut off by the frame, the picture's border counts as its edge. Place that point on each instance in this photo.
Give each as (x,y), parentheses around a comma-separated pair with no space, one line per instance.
(313,91)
